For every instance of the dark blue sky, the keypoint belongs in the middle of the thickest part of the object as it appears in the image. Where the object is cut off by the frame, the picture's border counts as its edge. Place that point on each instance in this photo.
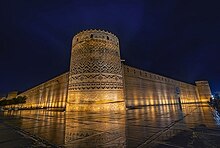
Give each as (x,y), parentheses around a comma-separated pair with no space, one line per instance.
(177,39)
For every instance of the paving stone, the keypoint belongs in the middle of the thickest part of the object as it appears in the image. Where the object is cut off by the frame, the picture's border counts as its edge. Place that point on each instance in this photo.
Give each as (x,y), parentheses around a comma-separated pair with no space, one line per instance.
(194,126)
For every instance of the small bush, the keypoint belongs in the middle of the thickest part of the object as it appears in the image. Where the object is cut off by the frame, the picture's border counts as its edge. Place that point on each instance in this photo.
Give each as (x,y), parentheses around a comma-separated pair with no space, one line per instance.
(13,101)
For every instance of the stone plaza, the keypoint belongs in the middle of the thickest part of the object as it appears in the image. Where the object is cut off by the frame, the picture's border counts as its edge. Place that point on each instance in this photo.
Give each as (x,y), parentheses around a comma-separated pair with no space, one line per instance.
(192,125)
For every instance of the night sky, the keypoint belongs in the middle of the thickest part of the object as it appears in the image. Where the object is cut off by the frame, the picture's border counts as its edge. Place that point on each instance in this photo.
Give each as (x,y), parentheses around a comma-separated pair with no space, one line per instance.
(177,39)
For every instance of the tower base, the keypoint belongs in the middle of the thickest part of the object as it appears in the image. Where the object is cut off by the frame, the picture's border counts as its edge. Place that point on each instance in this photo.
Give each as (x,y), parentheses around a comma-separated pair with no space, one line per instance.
(98,107)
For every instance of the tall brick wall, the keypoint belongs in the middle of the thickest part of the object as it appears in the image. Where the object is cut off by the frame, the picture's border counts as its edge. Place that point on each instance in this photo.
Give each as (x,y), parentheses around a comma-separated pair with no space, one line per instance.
(145,88)
(51,94)
(140,88)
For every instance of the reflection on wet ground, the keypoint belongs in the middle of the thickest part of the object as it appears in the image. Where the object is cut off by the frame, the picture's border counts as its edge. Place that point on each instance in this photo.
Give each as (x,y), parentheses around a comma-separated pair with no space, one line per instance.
(151,126)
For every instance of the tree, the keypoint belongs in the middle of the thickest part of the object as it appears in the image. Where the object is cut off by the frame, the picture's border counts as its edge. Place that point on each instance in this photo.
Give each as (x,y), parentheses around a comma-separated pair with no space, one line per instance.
(13,101)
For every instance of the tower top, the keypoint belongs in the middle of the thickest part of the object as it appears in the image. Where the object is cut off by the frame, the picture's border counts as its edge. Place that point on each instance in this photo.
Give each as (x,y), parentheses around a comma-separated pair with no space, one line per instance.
(95,34)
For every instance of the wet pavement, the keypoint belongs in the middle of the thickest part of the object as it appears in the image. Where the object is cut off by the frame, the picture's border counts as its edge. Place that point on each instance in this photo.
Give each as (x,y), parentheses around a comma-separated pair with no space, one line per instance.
(151,126)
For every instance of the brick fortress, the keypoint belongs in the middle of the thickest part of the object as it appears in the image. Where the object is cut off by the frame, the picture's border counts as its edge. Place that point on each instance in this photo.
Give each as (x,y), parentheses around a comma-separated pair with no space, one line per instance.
(99,81)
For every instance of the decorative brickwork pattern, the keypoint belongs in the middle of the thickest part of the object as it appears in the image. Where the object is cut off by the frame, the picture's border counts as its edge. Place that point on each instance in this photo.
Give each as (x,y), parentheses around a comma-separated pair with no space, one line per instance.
(95,66)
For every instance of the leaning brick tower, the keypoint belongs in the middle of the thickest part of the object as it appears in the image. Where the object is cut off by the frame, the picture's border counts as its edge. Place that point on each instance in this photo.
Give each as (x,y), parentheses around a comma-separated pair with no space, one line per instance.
(95,77)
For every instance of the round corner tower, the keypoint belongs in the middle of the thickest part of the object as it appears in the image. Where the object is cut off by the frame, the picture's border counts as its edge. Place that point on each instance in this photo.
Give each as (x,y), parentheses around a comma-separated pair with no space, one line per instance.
(95,77)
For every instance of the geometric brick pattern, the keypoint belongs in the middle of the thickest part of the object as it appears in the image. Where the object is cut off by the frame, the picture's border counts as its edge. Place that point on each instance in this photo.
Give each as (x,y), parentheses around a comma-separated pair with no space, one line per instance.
(96,65)
(95,71)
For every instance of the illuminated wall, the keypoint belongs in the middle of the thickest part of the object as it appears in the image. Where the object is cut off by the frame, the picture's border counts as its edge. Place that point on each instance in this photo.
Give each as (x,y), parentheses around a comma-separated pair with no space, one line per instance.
(204,91)
(12,94)
(97,81)
(95,77)
(145,88)
(51,94)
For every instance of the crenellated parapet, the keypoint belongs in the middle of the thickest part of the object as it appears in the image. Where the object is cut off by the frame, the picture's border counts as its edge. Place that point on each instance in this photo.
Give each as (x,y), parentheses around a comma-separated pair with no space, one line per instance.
(94,34)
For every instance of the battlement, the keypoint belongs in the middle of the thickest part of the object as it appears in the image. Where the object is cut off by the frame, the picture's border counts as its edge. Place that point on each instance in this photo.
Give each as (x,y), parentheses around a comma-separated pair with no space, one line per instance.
(95,34)
(202,83)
